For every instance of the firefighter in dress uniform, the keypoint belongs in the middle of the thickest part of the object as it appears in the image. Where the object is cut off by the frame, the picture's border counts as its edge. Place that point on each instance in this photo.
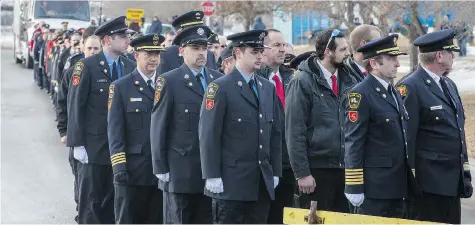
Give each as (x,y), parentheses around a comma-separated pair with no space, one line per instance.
(437,131)
(137,198)
(377,172)
(241,137)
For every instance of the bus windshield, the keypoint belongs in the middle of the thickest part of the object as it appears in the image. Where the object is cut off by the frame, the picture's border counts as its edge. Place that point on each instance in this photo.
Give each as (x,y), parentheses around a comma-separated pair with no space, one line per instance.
(74,10)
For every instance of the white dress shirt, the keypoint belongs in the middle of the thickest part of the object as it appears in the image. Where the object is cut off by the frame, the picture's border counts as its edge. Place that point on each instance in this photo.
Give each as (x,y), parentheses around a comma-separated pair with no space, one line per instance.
(435,77)
(362,69)
(386,85)
(327,74)
(145,78)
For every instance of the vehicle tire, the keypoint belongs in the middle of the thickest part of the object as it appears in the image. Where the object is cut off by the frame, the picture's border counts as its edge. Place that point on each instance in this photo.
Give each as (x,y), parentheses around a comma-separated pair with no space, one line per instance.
(17,60)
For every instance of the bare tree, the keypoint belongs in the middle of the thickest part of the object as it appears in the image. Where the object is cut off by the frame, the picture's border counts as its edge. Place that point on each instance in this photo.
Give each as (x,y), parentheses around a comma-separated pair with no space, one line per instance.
(247,10)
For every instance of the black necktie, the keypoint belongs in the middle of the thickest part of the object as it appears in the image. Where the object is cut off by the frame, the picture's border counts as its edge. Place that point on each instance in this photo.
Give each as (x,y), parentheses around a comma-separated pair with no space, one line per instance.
(393,94)
(115,73)
(149,84)
(198,78)
(445,89)
(251,86)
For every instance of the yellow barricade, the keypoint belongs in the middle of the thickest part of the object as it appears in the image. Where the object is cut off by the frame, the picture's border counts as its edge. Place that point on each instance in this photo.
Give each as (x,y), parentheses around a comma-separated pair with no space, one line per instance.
(299,216)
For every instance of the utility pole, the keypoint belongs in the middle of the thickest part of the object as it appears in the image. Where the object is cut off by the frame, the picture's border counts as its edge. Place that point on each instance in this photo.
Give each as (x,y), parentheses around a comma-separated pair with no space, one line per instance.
(100,13)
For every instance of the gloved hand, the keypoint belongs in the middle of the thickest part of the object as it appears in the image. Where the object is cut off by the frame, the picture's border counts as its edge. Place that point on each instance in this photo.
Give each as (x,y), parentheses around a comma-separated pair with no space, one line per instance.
(214,185)
(163,177)
(468,189)
(80,154)
(355,199)
(276,181)
(121,178)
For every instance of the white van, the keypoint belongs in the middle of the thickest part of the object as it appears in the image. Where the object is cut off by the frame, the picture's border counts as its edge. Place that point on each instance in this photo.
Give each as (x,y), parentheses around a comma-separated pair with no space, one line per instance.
(28,13)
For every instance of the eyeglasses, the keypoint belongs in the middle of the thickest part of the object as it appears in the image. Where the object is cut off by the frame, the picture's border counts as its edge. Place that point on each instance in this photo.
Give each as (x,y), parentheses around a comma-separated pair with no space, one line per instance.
(335,33)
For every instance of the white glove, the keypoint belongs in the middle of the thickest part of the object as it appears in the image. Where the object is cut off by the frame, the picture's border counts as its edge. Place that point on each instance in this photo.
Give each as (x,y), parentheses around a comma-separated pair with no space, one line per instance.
(214,185)
(56,89)
(276,181)
(80,154)
(355,199)
(163,177)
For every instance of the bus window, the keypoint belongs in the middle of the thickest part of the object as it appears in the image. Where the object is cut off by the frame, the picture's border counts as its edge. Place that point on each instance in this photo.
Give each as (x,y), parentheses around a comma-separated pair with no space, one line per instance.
(74,10)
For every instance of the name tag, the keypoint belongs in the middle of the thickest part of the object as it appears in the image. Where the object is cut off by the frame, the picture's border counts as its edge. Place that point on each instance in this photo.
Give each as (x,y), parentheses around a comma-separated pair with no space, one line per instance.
(102,81)
(135,99)
(436,107)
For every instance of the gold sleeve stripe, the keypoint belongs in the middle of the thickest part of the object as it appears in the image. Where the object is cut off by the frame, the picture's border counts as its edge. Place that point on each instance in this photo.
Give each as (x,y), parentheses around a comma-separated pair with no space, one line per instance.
(354,173)
(118,158)
(121,154)
(354,170)
(354,183)
(354,178)
(118,162)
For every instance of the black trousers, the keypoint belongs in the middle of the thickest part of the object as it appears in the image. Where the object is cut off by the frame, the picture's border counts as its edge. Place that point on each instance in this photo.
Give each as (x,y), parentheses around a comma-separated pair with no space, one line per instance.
(438,208)
(392,208)
(284,197)
(96,194)
(180,208)
(138,204)
(74,164)
(329,191)
(243,212)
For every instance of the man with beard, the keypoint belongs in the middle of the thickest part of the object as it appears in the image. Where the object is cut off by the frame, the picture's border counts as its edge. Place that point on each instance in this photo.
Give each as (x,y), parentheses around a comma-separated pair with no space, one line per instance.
(87,120)
(171,58)
(174,131)
(137,199)
(273,69)
(213,45)
(436,131)
(377,173)
(361,35)
(314,126)
(240,137)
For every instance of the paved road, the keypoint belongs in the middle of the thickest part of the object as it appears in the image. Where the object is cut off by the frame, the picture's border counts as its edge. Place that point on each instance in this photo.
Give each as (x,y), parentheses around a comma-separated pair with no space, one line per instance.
(35,175)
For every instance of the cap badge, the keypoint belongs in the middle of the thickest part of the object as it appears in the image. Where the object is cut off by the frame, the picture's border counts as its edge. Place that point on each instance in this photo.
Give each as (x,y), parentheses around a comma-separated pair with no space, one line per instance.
(200,31)
(155,37)
(262,35)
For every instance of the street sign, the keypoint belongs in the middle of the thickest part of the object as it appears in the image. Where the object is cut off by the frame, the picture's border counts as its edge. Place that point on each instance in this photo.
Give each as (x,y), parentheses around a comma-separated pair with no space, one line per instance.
(208,8)
(134,14)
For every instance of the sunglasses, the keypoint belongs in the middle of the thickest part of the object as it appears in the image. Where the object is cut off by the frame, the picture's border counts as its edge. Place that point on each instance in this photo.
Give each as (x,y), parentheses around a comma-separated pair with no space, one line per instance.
(335,33)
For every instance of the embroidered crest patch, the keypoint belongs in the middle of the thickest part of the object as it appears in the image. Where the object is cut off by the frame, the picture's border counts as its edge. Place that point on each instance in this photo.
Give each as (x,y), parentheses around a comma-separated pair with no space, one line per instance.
(353,116)
(78,69)
(209,104)
(212,89)
(354,100)
(76,80)
(111,90)
(402,90)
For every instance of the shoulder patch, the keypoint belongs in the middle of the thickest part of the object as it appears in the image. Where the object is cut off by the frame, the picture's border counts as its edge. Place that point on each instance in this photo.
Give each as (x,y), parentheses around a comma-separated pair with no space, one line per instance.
(78,68)
(75,80)
(402,90)
(160,83)
(353,116)
(212,90)
(111,90)
(354,100)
